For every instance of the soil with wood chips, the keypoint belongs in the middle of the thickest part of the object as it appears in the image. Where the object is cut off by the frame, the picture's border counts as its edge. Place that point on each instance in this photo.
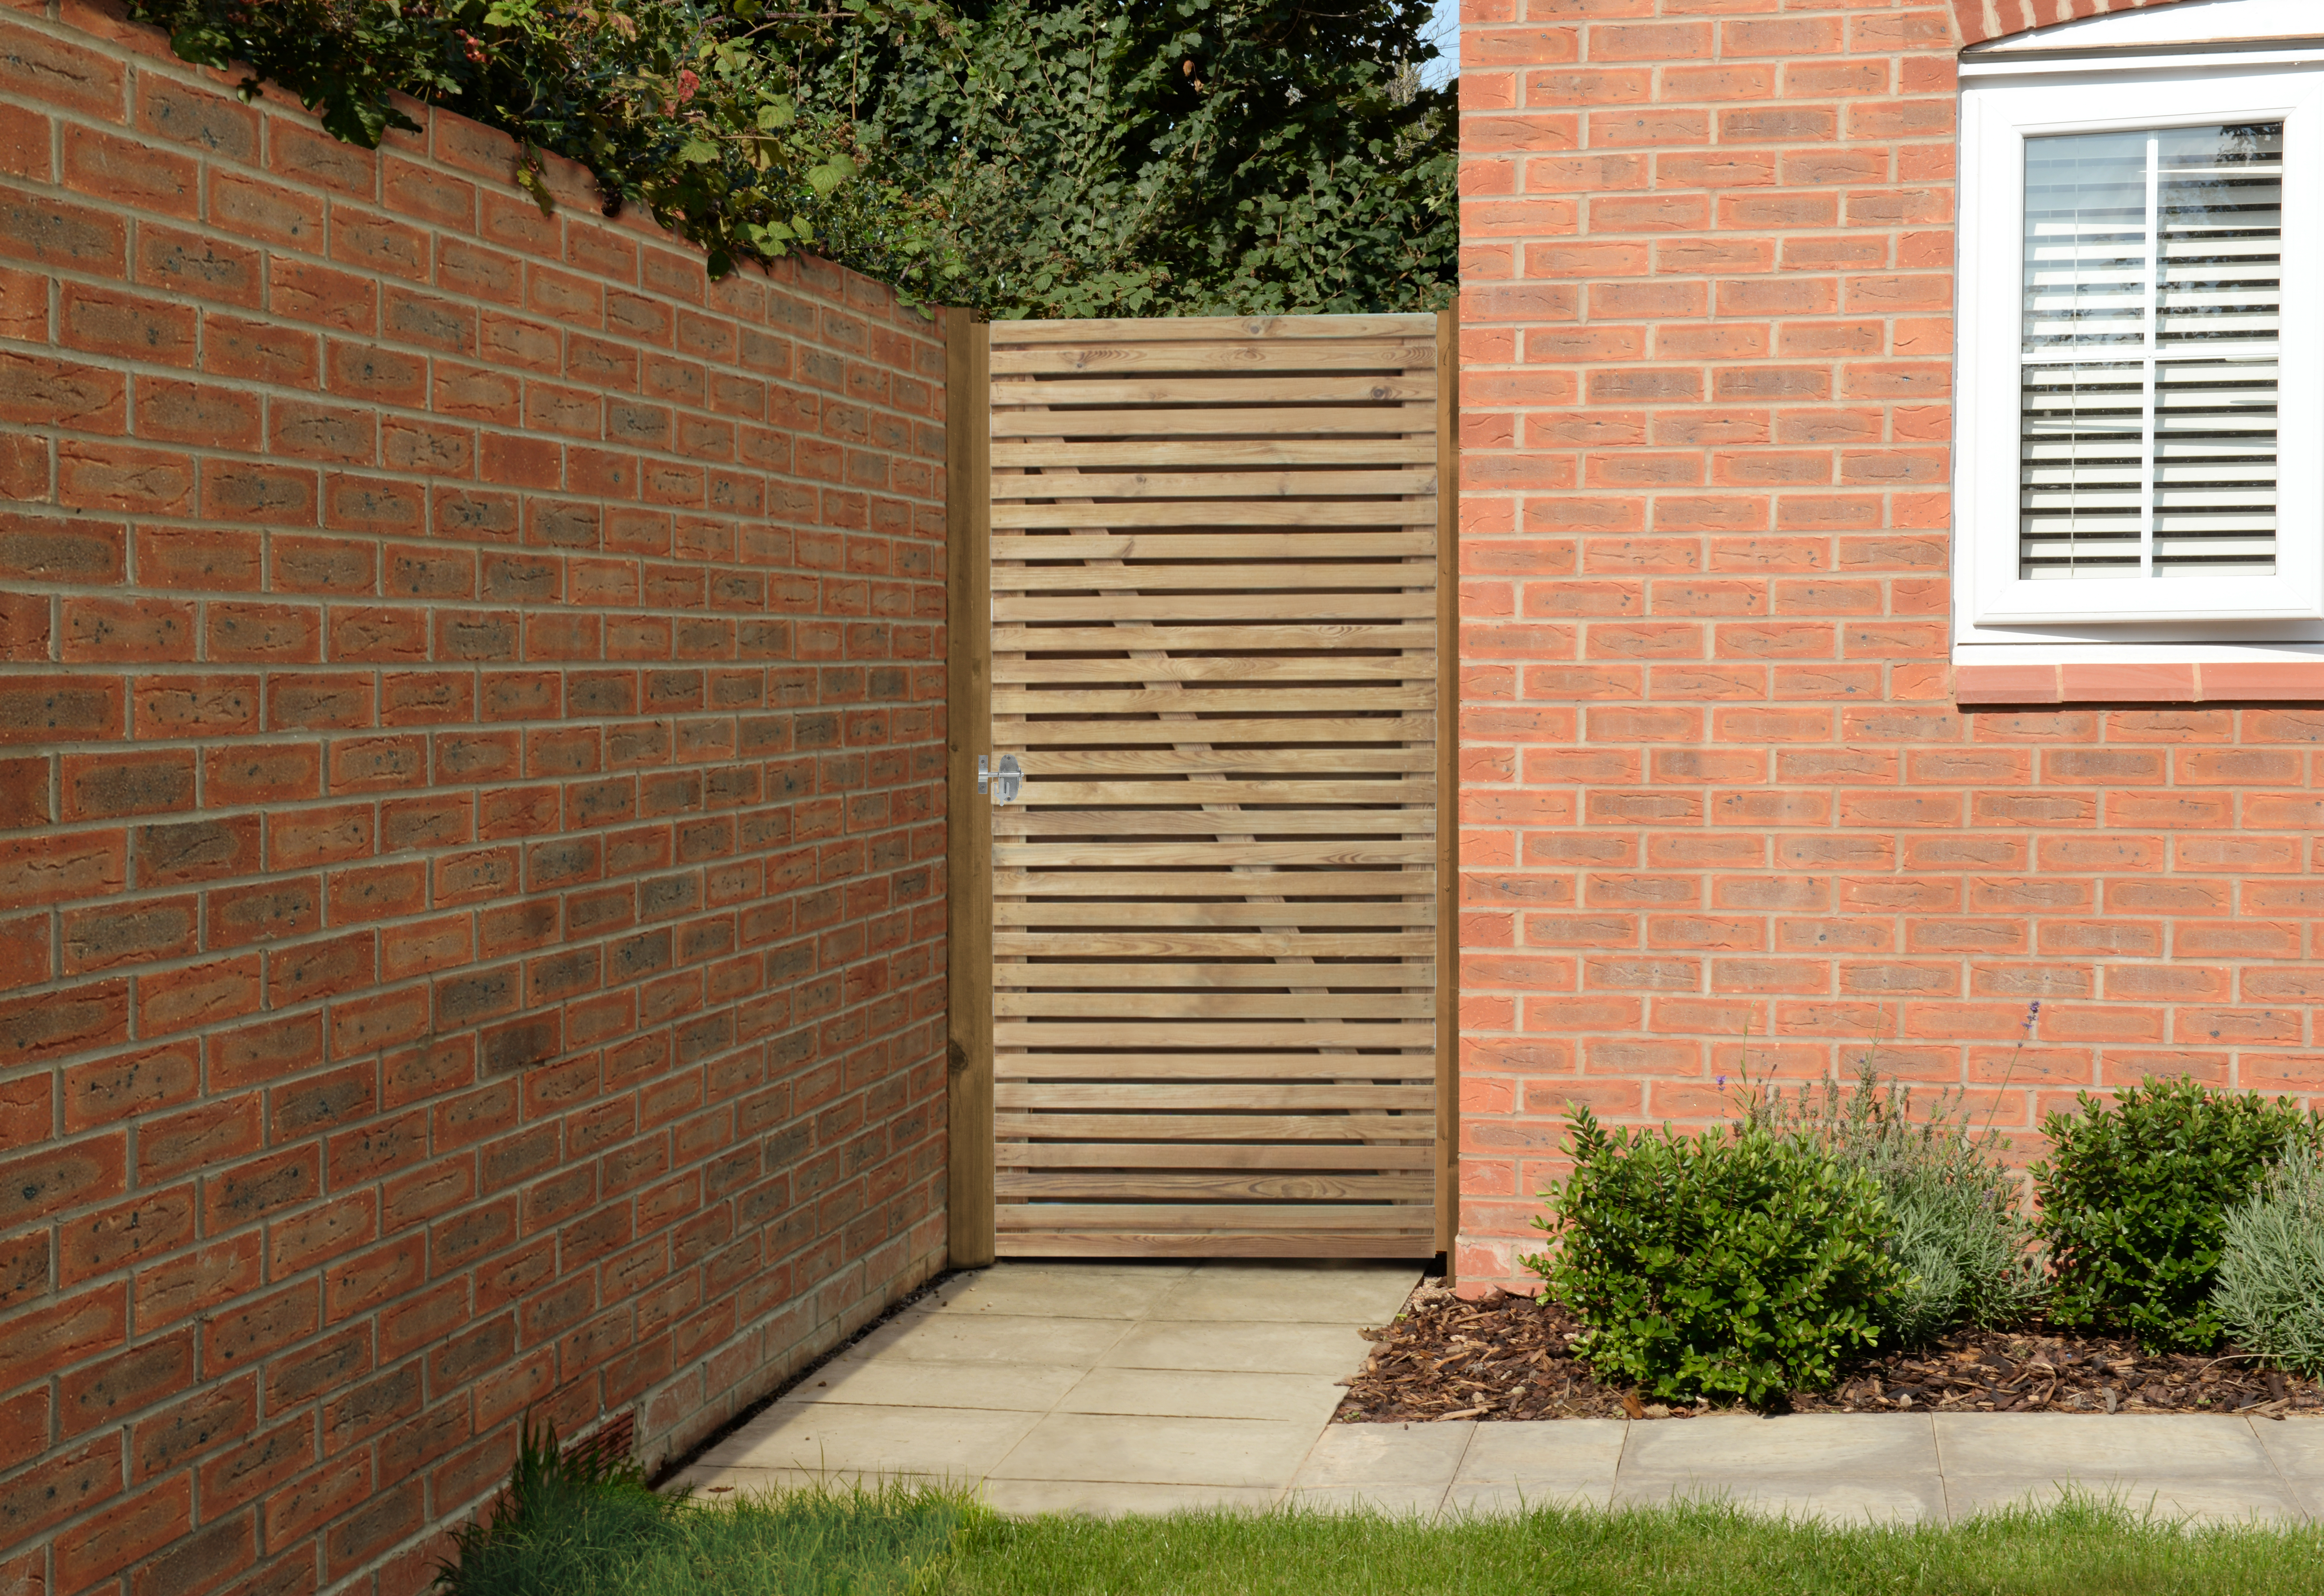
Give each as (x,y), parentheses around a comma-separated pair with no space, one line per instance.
(1505,1357)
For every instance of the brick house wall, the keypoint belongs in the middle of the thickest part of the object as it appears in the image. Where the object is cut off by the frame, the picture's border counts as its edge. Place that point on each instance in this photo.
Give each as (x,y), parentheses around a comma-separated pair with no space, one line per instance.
(471,824)
(1723,792)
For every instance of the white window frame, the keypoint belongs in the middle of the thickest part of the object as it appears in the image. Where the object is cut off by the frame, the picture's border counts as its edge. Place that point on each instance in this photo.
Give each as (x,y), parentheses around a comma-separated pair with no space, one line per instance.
(2027,91)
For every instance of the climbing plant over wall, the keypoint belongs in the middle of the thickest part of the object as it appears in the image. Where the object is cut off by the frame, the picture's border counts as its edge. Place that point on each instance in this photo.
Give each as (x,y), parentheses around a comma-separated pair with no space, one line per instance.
(1023,157)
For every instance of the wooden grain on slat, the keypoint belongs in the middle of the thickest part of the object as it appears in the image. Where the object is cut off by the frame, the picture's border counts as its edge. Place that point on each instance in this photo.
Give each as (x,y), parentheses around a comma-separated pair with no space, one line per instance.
(1418,820)
(1302,355)
(1254,421)
(1229,514)
(1386,790)
(1401,325)
(1389,1067)
(1205,1216)
(1400,729)
(1286,1187)
(1221,1126)
(1218,606)
(1198,669)
(1128,1006)
(1018,699)
(1185,1097)
(1147,454)
(1195,487)
(1211,945)
(1234,545)
(1394,759)
(1270,973)
(1124,1242)
(1387,387)
(1344,642)
(1113,911)
(1172,1155)
(1237,1034)
(1292,579)
(1119,855)
(1152,887)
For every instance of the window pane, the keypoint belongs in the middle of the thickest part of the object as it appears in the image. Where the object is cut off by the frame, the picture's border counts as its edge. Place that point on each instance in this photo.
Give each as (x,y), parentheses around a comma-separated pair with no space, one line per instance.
(2151,284)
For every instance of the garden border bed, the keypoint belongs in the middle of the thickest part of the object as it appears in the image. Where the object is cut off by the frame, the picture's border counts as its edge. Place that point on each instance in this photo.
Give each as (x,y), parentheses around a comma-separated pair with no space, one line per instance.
(1517,1366)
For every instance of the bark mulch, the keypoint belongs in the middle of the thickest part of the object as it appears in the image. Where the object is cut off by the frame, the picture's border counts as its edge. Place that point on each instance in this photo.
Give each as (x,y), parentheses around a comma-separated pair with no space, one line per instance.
(1505,1357)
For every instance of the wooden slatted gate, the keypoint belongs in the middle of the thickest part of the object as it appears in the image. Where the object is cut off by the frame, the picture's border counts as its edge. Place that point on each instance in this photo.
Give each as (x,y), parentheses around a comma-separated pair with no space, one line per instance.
(1196,1005)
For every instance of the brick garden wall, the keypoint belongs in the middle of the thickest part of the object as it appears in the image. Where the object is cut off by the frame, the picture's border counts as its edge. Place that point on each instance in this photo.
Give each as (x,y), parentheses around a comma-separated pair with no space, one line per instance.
(1719,781)
(471,825)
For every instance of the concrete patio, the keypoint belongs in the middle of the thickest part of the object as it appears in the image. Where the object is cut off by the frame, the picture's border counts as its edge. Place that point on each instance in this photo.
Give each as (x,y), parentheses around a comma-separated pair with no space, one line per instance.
(1145,1388)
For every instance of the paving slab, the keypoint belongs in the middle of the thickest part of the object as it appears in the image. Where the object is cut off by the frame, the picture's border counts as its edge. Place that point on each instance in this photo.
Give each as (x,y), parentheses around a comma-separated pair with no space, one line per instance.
(2295,1445)
(1266,1347)
(1178,1393)
(894,1382)
(1900,1499)
(1144,1450)
(1728,1445)
(943,1336)
(2068,1445)
(1360,1295)
(2181,1498)
(851,1438)
(1061,1292)
(1510,1467)
(1413,1458)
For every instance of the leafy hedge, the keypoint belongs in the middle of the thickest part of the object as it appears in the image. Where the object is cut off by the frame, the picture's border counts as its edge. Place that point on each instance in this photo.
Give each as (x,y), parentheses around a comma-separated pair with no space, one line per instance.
(1021,157)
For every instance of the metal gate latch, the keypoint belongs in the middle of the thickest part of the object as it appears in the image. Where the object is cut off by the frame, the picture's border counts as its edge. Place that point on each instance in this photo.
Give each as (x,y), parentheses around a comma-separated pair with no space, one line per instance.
(1008,781)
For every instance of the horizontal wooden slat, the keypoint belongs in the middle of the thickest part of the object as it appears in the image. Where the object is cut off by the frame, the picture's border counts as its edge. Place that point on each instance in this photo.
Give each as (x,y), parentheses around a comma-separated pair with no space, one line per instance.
(1111,1155)
(1243,883)
(1221,639)
(1233,1034)
(1284,1187)
(1118,1242)
(1147,454)
(1246,422)
(1301,355)
(1193,1037)
(1306,669)
(1216,945)
(1163,329)
(1018,699)
(1130,855)
(1195,1128)
(1216,606)
(1270,761)
(1086,485)
(1108,911)
(1127,1006)
(1207,1066)
(1387,388)
(1418,820)
(1231,515)
(1290,581)
(1385,791)
(1229,546)
(1195,1216)
(1143,976)
(1028,737)
(1111,1097)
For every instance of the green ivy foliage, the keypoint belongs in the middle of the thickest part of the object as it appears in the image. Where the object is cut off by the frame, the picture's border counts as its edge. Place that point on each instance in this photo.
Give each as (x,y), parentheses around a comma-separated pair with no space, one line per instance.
(685,108)
(2134,1199)
(1148,157)
(1021,157)
(1736,1264)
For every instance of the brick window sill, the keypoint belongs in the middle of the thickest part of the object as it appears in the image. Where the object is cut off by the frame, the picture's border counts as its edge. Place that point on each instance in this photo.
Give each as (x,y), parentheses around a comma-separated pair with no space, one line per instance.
(2131,683)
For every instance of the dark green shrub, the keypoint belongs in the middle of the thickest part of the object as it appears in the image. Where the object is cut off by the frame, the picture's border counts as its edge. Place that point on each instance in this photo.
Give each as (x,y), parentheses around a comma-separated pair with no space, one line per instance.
(1736,1264)
(1958,1226)
(2134,1199)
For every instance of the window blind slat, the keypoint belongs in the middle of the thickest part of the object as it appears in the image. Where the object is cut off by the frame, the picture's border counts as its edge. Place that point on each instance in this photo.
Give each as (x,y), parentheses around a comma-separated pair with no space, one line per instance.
(2149,381)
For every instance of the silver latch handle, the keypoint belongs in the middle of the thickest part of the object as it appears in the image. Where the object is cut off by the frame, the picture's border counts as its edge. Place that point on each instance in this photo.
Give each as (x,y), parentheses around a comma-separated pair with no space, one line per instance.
(1008,781)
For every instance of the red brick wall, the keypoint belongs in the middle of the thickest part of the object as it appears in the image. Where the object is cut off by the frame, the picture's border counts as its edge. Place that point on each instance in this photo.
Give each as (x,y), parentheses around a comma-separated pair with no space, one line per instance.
(471,878)
(1718,783)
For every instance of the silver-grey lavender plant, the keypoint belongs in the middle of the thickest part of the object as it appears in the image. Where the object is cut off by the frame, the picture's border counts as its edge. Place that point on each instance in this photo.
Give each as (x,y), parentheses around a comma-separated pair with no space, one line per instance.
(1958,1223)
(2271,1278)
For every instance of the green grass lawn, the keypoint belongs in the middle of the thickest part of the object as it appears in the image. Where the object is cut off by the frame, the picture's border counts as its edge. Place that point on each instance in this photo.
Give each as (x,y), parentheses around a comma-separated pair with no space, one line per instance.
(900,1543)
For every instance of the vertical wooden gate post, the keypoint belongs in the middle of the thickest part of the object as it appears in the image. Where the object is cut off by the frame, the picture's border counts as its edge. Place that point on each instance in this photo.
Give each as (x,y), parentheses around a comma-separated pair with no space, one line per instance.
(968,824)
(1448,781)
